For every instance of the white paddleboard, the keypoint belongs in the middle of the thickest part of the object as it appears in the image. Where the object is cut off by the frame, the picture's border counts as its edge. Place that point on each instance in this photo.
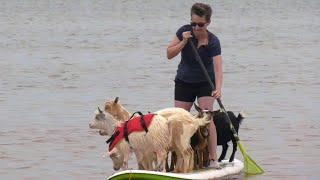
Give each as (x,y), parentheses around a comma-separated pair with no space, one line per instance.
(227,169)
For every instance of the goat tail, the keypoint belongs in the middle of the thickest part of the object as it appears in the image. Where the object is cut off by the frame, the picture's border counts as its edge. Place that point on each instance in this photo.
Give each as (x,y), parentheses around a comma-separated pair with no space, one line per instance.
(241,116)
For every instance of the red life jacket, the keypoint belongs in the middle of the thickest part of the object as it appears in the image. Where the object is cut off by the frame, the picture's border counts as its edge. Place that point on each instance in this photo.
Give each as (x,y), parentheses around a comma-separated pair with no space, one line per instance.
(132,125)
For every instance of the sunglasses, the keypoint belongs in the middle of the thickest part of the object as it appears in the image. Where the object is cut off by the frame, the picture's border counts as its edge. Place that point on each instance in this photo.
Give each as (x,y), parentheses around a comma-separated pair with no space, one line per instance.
(194,24)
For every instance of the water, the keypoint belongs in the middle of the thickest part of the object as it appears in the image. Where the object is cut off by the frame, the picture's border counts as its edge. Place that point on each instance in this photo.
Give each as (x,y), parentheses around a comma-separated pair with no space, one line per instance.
(59,60)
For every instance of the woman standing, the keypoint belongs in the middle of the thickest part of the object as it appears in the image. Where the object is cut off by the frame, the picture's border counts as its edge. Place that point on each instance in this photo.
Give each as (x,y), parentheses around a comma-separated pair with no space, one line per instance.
(190,81)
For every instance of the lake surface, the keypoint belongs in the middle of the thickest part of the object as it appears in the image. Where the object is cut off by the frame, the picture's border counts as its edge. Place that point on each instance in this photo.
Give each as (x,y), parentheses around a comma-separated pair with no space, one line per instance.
(59,60)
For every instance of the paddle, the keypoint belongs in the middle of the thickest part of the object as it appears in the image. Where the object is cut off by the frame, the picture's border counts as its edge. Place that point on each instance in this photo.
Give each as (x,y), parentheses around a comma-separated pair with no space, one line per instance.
(250,166)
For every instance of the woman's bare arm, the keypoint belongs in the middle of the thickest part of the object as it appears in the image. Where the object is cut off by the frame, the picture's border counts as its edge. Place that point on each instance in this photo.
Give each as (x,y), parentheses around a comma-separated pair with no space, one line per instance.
(218,75)
(176,45)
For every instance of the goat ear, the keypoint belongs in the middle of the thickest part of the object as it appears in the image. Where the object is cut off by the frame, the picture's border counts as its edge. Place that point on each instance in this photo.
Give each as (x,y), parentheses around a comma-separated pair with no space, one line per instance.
(116,100)
(197,108)
(112,152)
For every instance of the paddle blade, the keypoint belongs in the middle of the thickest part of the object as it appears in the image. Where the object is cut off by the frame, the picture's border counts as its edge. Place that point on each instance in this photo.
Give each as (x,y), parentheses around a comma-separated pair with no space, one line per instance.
(250,167)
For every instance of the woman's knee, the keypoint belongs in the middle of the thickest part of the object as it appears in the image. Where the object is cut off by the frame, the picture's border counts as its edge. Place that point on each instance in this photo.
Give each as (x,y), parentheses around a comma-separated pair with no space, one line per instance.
(206,102)
(185,105)
(212,125)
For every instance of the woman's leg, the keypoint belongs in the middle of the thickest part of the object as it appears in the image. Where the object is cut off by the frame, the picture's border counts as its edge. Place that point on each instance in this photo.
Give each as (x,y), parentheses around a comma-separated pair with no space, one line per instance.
(206,102)
(184,95)
(181,104)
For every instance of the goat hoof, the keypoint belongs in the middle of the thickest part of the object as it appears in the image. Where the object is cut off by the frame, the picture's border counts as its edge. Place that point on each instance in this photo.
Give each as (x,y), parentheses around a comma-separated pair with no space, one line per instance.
(158,168)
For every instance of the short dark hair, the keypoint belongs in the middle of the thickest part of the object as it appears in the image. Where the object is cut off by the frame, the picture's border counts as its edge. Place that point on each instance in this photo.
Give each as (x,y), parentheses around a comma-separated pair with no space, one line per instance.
(201,10)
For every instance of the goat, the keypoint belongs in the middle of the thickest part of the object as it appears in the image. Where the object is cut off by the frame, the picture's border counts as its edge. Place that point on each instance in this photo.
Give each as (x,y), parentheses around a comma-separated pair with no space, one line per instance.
(106,125)
(224,133)
(199,143)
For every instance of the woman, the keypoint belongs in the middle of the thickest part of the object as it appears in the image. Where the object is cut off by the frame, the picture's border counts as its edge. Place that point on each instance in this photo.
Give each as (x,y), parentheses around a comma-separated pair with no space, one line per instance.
(190,82)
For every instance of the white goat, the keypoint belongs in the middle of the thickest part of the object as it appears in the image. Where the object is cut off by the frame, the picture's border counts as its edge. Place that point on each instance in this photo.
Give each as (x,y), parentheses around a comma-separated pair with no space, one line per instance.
(156,141)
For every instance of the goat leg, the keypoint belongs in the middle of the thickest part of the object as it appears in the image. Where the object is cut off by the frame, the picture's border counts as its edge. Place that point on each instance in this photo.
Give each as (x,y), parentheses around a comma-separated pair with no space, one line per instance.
(173,160)
(234,149)
(201,158)
(140,166)
(167,164)
(196,160)
(178,163)
(161,158)
(206,159)
(191,165)
(224,152)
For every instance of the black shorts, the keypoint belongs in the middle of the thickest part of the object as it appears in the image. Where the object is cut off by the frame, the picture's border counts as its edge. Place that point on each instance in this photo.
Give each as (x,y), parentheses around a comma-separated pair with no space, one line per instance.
(188,92)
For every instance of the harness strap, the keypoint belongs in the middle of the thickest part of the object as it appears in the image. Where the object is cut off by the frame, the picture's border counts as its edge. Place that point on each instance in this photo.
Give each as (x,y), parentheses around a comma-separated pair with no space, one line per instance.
(143,124)
(138,112)
(142,121)
(125,131)
(113,137)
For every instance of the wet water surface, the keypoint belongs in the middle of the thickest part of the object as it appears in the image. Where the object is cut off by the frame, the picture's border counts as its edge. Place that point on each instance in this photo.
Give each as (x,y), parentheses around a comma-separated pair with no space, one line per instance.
(59,60)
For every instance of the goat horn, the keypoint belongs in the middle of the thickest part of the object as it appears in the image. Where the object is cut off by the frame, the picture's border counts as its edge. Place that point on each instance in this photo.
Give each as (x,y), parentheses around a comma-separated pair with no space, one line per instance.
(116,100)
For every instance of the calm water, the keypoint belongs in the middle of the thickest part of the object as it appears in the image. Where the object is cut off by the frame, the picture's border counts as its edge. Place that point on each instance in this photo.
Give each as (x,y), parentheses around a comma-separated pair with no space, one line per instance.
(59,60)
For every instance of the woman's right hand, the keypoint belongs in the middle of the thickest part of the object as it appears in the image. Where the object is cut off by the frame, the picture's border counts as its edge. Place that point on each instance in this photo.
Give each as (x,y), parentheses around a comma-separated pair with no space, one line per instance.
(186,35)
(177,45)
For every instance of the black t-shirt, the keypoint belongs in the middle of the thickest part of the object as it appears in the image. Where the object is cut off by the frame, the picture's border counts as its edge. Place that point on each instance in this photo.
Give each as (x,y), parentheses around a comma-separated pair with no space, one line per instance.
(189,69)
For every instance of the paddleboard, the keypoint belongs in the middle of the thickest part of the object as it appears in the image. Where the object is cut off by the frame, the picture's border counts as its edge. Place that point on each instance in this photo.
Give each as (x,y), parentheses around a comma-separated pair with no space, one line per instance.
(227,169)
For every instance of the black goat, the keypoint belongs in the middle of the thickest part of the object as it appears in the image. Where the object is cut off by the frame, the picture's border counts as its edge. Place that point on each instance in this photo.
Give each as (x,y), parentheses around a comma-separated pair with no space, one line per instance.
(224,133)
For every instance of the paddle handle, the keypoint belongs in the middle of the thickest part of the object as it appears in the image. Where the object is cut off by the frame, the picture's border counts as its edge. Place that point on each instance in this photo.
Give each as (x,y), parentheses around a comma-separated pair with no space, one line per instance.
(198,58)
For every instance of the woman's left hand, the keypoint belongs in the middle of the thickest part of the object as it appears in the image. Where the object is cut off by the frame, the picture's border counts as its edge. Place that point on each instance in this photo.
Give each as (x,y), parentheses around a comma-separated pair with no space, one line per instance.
(216,93)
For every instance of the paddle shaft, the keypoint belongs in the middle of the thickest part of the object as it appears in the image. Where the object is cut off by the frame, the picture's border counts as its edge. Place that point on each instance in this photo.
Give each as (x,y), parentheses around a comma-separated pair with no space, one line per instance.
(198,58)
